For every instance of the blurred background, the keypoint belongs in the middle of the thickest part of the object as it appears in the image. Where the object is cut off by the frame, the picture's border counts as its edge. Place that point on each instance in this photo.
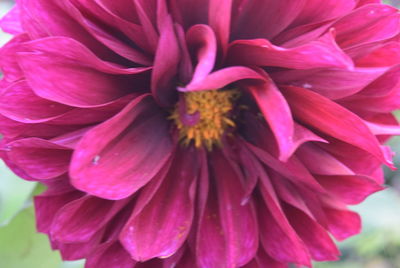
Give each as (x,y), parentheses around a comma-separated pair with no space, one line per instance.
(378,246)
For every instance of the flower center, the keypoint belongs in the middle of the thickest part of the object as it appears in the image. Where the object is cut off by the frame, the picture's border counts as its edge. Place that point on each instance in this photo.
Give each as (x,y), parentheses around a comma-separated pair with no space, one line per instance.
(204,116)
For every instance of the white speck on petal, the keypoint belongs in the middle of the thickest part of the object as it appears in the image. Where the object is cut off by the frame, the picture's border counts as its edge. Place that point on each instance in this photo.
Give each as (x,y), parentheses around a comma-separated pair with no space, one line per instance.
(96,160)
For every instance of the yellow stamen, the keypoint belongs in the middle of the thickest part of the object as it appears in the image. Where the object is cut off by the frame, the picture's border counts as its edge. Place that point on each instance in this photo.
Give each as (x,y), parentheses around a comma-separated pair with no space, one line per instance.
(214,107)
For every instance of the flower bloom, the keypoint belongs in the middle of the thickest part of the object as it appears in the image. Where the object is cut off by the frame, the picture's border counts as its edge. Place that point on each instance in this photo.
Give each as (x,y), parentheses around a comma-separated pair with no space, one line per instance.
(199,133)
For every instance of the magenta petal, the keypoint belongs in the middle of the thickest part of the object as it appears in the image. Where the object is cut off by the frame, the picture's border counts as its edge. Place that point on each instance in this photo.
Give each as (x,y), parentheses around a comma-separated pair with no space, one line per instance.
(81,219)
(150,189)
(103,36)
(277,236)
(108,255)
(321,53)
(71,82)
(170,210)
(277,113)
(333,84)
(89,116)
(343,223)
(76,251)
(265,260)
(210,241)
(293,169)
(202,38)
(165,64)
(71,49)
(222,78)
(39,158)
(237,219)
(387,54)
(41,18)
(308,153)
(47,205)
(219,16)
(124,135)
(367,24)
(314,11)
(264,19)
(110,14)
(146,15)
(19,103)
(334,120)
(349,189)
(8,61)
(11,23)
(367,2)
(190,12)
(314,236)
(15,129)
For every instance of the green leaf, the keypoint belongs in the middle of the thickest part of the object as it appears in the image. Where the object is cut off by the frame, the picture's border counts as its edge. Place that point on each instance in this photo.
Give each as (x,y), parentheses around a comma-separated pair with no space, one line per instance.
(73,264)
(21,246)
(14,194)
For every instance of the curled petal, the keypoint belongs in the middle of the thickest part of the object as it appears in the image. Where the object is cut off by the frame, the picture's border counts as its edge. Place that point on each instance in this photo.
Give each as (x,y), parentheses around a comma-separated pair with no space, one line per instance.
(222,78)
(277,113)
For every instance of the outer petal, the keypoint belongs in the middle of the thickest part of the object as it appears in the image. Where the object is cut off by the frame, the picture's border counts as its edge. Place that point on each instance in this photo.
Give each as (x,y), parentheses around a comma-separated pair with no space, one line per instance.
(41,18)
(293,169)
(349,189)
(11,23)
(39,158)
(277,236)
(138,135)
(210,241)
(8,62)
(314,11)
(162,226)
(108,255)
(237,219)
(70,49)
(81,219)
(321,53)
(13,129)
(367,24)
(334,120)
(108,39)
(331,166)
(47,205)
(314,236)
(228,233)
(19,103)
(72,82)
(343,223)
(386,55)
(76,251)
(333,84)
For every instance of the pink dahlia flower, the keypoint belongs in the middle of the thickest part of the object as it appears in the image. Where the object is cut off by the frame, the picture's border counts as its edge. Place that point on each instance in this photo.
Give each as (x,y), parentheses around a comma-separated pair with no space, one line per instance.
(199,133)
